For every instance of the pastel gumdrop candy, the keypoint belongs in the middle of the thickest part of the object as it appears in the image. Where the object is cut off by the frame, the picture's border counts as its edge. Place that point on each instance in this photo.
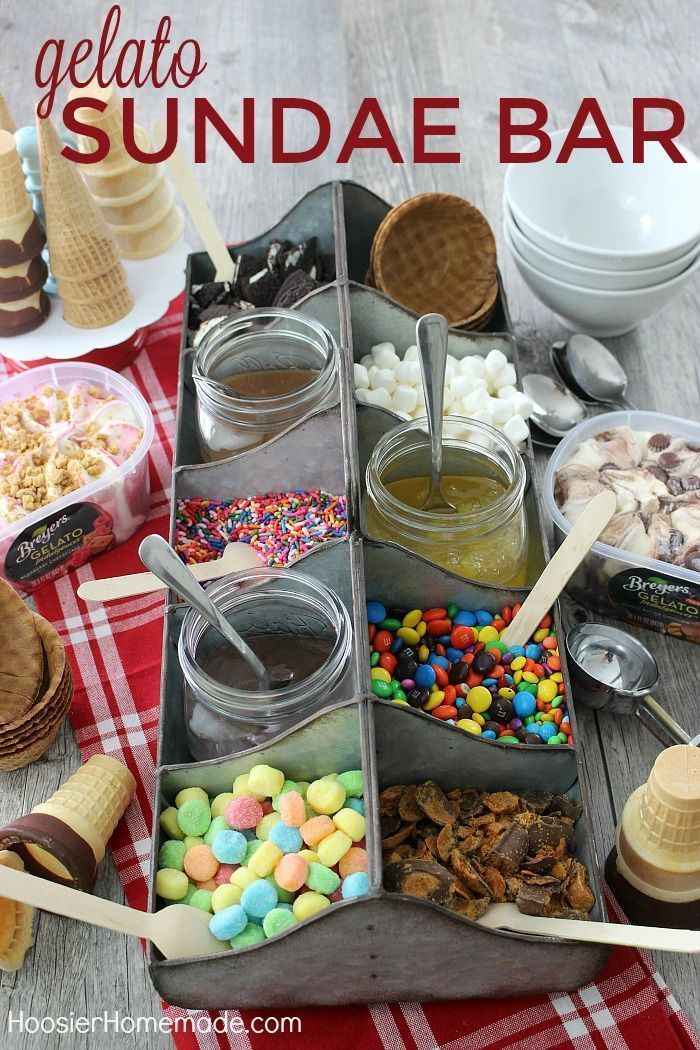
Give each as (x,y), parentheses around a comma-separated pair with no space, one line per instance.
(206,884)
(266,824)
(240,787)
(243,877)
(291,872)
(292,809)
(223,875)
(171,884)
(218,824)
(219,804)
(322,879)
(287,839)
(352,823)
(309,855)
(326,796)
(252,934)
(265,860)
(229,847)
(228,923)
(200,863)
(265,781)
(283,896)
(172,855)
(308,904)
(169,824)
(277,921)
(189,793)
(243,812)
(333,847)
(258,899)
(289,785)
(190,841)
(201,898)
(356,885)
(194,816)
(225,896)
(354,860)
(315,829)
(353,783)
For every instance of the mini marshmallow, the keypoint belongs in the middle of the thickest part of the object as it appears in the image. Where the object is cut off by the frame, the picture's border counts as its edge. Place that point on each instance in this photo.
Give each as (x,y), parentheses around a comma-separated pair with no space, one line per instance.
(383,378)
(386,357)
(478,400)
(483,416)
(506,392)
(500,410)
(404,399)
(379,347)
(362,395)
(495,362)
(460,387)
(521,405)
(361,377)
(380,398)
(472,367)
(411,354)
(449,374)
(367,361)
(408,373)
(506,377)
(516,429)
(453,363)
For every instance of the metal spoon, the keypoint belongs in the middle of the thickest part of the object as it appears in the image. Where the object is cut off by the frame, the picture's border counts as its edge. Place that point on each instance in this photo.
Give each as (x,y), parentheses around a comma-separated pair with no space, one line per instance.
(431,339)
(556,409)
(158,556)
(611,669)
(591,371)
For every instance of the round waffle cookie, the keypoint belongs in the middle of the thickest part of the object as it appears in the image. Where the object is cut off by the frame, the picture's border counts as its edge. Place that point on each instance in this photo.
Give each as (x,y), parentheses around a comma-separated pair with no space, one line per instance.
(436,253)
(21,659)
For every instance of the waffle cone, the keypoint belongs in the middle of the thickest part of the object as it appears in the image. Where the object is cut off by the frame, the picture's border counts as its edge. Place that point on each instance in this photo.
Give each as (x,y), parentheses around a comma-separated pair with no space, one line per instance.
(436,253)
(81,245)
(21,659)
(100,312)
(6,121)
(87,290)
(93,801)
(15,205)
(16,922)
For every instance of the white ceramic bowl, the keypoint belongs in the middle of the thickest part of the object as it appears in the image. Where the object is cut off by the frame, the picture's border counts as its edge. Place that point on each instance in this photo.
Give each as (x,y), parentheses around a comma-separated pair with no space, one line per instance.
(587,276)
(596,311)
(592,212)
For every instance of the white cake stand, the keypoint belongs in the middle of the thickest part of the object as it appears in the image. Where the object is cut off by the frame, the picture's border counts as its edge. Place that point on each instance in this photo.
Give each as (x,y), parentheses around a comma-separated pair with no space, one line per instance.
(153,283)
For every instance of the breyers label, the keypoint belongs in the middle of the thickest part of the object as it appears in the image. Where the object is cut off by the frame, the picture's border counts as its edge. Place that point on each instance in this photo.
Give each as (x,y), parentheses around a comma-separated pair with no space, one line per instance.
(653,596)
(61,541)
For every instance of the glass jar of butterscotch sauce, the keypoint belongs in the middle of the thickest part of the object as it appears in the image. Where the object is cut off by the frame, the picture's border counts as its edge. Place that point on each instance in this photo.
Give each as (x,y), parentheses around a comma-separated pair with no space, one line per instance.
(483,477)
(257,374)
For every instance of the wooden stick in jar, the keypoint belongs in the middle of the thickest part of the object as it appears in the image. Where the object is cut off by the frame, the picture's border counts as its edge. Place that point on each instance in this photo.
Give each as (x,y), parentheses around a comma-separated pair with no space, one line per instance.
(561,568)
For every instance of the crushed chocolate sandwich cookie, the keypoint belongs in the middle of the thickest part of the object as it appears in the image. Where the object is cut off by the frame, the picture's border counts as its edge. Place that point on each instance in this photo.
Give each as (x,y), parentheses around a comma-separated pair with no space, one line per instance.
(465,849)
(281,277)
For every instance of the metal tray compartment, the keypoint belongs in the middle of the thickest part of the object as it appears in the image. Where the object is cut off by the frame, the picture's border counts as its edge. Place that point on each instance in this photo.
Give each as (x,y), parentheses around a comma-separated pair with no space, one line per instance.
(330,449)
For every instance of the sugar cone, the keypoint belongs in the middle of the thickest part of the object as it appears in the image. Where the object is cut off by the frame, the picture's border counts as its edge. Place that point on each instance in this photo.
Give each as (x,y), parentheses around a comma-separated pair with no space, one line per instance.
(80,242)
(15,205)
(93,801)
(6,121)
(16,923)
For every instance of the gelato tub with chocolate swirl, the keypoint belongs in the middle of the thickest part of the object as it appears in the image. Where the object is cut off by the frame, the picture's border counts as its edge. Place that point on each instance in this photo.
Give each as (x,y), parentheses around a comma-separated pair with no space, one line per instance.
(645,568)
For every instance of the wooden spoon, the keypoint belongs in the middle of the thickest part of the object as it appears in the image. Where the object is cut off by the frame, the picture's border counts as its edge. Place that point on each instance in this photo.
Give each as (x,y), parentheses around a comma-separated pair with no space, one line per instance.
(561,568)
(178,931)
(507,917)
(200,213)
(236,556)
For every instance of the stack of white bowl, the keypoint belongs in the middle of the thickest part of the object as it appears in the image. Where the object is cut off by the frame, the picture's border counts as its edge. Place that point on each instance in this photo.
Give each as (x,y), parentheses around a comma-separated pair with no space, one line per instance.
(604,245)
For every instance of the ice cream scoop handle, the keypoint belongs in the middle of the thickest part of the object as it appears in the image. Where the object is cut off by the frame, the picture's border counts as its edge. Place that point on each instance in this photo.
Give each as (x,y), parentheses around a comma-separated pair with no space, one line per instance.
(74,904)
(659,722)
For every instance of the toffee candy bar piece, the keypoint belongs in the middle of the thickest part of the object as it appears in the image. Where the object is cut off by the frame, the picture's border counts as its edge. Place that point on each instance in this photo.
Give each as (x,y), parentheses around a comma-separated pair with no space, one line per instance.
(420,878)
(537,900)
(435,804)
(509,850)
(544,830)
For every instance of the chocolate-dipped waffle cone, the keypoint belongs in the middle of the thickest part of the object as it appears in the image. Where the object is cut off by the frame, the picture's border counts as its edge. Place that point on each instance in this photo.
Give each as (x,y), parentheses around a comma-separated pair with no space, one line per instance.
(81,245)
(21,236)
(64,839)
(6,121)
(21,657)
(436,253)
(16,923)
(26,278)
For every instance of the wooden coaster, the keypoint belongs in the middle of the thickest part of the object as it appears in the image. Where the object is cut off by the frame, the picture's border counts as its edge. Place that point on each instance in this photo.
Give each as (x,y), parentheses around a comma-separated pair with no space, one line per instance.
(21,656)
(436,253)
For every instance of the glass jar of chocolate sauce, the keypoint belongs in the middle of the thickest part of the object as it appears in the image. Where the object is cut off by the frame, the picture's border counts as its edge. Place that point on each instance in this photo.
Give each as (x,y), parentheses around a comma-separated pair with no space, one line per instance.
(258,373)
(301,631)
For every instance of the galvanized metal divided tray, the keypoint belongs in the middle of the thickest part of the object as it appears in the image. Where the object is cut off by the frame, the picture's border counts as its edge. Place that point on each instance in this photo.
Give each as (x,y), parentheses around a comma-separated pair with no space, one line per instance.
(387,946)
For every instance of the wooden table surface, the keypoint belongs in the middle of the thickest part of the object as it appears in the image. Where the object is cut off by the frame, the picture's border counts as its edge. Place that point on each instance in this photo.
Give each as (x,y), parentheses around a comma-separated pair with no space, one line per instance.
(337,53)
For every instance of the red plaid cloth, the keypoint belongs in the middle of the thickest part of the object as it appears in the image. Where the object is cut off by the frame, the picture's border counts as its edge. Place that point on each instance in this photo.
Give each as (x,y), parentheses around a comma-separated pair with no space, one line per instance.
(115,653)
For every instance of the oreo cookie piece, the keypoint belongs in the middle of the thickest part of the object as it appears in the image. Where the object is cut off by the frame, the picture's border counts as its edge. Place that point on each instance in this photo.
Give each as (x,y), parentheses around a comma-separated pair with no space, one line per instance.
(300,256)
(326,268)
(261,288)
(274,255)
(217,310)
(211,292)
(294,287)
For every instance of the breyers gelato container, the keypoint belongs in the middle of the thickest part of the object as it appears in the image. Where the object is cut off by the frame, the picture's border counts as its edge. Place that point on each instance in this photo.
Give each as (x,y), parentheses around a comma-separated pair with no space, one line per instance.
(658,513)
(74,479)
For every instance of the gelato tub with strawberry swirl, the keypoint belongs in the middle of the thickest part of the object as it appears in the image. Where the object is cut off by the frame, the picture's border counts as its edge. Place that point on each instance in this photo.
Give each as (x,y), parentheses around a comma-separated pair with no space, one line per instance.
(74,482)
